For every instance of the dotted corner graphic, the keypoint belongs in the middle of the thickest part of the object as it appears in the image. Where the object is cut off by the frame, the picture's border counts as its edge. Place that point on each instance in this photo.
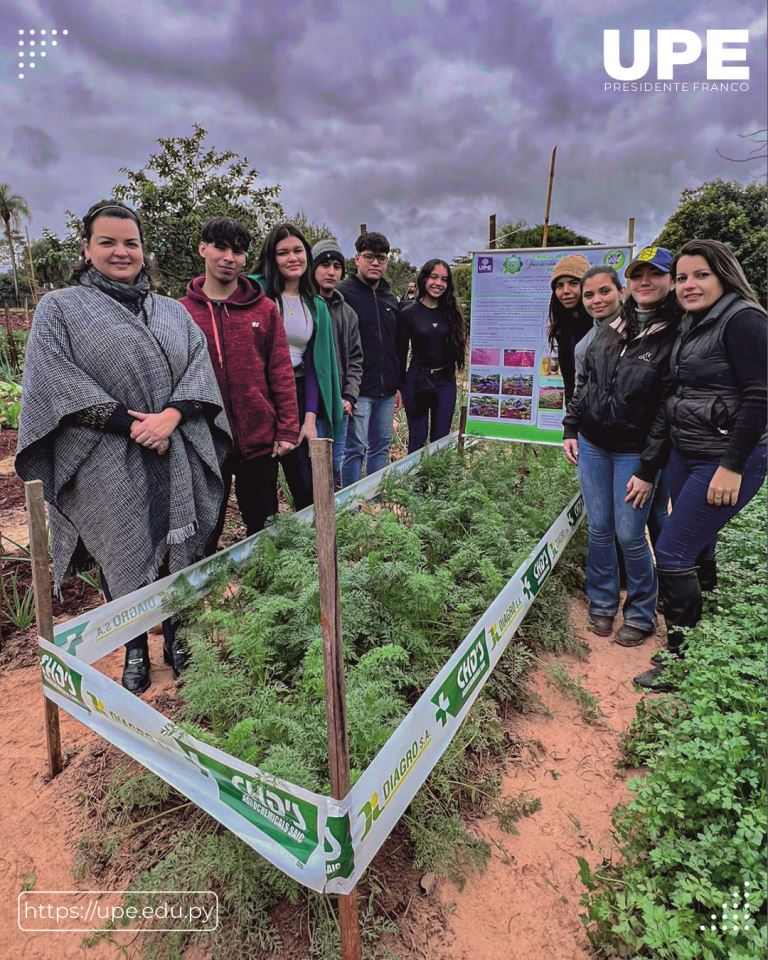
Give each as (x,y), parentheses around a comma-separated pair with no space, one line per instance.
(735,921)
(33,43)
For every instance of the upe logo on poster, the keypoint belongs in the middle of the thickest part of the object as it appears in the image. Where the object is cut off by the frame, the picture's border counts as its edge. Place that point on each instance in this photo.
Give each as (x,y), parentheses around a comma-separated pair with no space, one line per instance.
(677,48)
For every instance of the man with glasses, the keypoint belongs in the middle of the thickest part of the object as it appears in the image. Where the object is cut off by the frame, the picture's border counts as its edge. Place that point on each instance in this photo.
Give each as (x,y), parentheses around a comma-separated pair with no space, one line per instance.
(369,295)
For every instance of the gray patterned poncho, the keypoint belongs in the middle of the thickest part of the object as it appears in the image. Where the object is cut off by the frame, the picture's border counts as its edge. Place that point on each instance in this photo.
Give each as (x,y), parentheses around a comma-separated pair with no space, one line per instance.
(130,508)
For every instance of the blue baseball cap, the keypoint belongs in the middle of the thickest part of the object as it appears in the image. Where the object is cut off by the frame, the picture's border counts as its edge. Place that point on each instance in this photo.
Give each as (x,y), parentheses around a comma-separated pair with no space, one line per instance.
(658,257)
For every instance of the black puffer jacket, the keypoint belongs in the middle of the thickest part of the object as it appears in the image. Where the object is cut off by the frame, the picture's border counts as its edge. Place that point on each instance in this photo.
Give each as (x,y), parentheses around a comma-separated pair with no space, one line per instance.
(619,402)
(378,318)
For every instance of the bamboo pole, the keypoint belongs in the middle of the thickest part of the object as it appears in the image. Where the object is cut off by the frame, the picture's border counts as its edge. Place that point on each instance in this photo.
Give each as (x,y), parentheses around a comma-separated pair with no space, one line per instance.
(320,451)
(548,207)
(492,232)
(31,267)
(41,584)
(13,353)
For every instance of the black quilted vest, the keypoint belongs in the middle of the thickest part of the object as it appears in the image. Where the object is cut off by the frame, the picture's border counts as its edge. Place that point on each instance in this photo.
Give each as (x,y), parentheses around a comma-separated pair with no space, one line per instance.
(703,409)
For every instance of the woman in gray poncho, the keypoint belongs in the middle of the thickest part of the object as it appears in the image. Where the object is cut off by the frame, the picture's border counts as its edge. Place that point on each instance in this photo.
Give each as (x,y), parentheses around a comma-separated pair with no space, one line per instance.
(122,421)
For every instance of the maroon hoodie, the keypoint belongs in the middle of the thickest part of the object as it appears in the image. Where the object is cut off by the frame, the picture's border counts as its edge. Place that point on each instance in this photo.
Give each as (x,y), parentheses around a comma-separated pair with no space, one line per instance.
(250,357)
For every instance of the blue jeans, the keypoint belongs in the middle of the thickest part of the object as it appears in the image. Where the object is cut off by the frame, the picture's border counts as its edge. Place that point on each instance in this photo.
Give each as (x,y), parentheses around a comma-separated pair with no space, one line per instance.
(603,477)
(370,429)
(323,430)
(690,535)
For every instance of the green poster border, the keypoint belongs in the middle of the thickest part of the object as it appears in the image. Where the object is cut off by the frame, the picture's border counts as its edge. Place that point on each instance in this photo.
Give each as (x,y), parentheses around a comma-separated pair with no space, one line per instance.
(508,431)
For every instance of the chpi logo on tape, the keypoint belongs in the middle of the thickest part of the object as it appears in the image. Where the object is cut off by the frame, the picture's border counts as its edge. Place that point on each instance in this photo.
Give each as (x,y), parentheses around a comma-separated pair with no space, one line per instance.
(537,573)
(372,808)
(575,512)
(61,678)
(288,820)
(462,680)
(339,854)
(557,544)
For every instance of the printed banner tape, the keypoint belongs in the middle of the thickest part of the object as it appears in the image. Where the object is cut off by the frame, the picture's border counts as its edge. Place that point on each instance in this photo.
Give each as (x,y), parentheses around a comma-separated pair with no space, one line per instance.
(283,821)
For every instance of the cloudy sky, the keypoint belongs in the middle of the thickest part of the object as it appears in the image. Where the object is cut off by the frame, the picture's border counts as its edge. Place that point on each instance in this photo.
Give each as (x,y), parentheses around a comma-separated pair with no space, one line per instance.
(417,117)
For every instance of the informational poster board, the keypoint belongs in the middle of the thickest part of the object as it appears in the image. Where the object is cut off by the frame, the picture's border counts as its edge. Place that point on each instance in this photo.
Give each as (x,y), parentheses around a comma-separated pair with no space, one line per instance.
(515,388)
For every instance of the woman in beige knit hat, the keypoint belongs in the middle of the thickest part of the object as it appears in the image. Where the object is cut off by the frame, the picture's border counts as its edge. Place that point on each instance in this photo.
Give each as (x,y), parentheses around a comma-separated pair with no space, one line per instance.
(568,321)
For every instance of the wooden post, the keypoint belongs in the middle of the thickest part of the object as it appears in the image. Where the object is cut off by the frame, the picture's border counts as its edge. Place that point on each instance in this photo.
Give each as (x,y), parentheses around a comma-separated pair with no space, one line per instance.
(320,450)
(492,232)
(363,228)
(631,231)
(545,231)
(41,584)
(462,427)
(31,268)
(13,354)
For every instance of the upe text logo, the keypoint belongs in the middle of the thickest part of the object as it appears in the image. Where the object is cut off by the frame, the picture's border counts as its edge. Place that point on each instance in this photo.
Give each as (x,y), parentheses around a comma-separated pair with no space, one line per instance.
(678,48)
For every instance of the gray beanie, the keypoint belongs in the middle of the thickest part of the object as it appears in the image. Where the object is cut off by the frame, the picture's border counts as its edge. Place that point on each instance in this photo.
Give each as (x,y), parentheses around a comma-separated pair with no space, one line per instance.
(325,250)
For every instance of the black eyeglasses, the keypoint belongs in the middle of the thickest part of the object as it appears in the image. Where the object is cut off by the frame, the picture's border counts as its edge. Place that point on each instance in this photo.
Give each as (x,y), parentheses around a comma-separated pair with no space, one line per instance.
(375,257)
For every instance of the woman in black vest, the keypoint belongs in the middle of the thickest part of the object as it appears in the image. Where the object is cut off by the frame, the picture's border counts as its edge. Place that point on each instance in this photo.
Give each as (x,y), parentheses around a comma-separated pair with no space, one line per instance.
(717,419)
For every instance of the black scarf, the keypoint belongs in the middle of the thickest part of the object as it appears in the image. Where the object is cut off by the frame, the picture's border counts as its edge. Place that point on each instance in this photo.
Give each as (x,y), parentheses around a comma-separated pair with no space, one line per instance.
(131,295)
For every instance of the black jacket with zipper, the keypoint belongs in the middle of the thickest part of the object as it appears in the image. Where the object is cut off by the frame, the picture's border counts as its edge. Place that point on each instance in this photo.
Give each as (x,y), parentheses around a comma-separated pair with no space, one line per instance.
(378,318)
(619,403)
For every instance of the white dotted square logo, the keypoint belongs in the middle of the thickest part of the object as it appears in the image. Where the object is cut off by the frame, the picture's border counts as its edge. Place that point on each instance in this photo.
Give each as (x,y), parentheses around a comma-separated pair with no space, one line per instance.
(736,916)
(34,46)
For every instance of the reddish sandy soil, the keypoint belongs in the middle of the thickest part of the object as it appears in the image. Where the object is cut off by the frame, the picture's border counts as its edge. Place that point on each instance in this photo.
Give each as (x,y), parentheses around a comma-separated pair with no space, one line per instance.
(525,906)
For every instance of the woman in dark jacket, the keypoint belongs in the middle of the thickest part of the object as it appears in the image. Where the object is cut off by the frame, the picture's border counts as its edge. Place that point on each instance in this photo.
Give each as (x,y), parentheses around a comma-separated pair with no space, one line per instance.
(717,423)
(434,328)
(615,434)
(568,322)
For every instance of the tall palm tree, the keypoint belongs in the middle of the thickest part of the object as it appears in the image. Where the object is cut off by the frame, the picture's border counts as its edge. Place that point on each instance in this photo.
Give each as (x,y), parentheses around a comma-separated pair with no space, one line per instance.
(13,208)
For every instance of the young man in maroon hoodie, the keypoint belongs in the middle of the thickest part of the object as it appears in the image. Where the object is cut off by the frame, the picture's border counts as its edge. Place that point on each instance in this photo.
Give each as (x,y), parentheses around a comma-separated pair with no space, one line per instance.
(250,356)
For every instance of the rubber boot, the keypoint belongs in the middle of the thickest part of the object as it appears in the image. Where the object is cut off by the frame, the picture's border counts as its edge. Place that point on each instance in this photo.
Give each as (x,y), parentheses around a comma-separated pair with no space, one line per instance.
(681,595)
(707,570)
(136,669)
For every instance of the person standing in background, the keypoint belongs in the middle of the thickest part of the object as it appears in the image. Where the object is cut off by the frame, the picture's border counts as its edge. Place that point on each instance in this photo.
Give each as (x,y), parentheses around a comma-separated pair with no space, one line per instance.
(249,353)
(367,292)
(434,329)
(568,321)
(328,267)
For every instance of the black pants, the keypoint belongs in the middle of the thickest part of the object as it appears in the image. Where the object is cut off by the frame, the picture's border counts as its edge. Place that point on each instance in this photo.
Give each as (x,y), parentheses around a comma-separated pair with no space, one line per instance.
(255,490)
(297,466)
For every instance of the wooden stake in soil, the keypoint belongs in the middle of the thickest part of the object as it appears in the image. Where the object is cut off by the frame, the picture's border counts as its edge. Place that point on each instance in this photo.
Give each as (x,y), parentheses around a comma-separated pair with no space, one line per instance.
(462,428)
(545,232)
(320,451)
(41,584)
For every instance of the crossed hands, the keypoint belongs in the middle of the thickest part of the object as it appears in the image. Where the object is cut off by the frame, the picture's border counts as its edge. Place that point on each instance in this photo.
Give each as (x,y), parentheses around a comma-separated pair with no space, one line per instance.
(153,430)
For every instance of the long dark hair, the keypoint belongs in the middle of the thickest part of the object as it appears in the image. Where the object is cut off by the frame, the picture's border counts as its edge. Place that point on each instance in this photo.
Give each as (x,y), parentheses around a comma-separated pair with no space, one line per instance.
(273,281)
(723,264)
(559,319)
(110,208)
(457,329)
(668,310)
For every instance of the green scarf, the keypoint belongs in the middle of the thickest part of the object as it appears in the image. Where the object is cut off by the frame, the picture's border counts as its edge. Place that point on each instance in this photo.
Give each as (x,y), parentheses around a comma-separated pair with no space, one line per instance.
(323,349)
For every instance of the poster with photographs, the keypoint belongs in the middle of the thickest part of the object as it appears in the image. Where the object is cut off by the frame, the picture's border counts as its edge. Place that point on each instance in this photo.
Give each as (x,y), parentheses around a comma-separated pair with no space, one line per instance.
(515,385)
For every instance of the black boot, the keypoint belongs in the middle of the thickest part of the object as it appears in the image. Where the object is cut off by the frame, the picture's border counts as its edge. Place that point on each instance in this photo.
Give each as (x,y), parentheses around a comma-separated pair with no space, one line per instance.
(707,570)
(681,594)
(136,669)
(175,650)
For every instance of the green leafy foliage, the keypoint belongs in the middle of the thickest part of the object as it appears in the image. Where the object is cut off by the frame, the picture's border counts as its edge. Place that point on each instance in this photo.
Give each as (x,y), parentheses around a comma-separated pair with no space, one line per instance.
(10,404)
(729,211)
(695,831)
(417,569)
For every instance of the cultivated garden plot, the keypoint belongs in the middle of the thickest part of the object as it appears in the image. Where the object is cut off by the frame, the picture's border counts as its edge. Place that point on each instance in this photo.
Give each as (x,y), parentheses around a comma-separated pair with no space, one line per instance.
(418,568)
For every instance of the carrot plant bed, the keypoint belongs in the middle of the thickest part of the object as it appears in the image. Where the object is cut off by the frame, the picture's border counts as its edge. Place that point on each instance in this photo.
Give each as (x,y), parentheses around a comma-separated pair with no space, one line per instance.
(691,883)
(418,567)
